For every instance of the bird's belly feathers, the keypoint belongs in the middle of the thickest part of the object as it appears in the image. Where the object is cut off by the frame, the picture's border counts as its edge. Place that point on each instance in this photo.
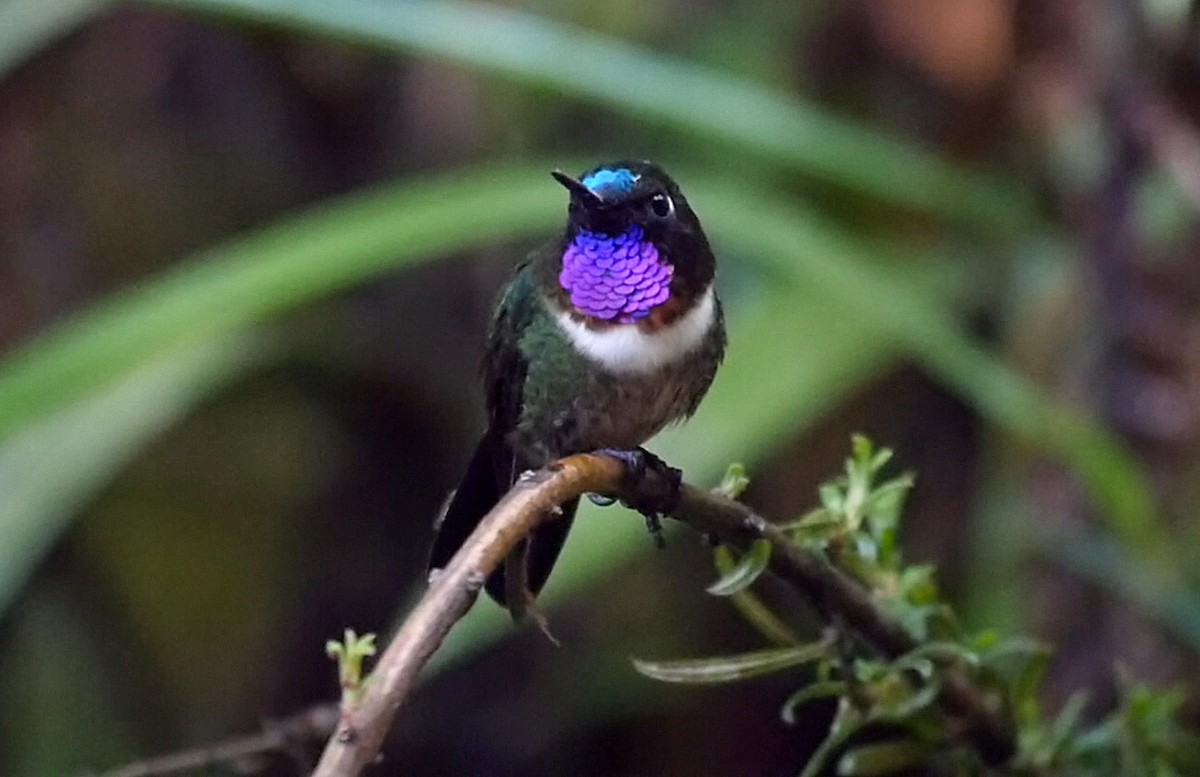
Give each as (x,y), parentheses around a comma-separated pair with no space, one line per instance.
(574,403)
(625,412)
(594,409)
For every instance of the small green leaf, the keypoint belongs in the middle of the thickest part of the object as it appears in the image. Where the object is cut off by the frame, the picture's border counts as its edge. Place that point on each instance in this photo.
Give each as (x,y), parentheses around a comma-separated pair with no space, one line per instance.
(832,497)
(734,483)
(917,584)
(903,707)
(1021,664)
(922,666)
(1067,722)
(882,510)
(845,724)
(815,529)
(725,669)
(861,448)
(737,577)
(751,607)
(984,640)
(819,690)
(761,618)
(867,548)
(881,758)
(881,457)
(940,652)
(818,517)
(888,497)
(349,655)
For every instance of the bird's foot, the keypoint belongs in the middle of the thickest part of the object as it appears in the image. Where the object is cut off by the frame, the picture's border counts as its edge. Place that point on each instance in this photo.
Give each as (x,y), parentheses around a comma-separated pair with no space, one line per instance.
(654,526)
(638,463)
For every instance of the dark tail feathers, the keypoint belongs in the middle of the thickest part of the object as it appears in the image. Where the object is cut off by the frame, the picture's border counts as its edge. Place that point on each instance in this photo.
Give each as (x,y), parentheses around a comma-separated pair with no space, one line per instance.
(489,475)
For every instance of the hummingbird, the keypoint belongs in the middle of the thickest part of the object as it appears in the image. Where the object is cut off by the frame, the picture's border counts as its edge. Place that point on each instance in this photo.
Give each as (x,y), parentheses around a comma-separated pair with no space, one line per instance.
(603,336)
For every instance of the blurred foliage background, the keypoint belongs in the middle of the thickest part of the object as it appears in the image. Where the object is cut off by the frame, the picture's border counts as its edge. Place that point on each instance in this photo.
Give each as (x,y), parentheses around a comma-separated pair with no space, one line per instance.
(248,249)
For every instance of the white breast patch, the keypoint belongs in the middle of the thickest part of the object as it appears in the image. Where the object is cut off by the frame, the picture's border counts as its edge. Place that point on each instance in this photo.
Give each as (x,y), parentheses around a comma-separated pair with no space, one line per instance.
(625,348)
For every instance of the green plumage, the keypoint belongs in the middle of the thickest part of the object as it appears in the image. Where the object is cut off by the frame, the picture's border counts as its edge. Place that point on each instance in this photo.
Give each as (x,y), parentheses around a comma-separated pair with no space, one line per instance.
(563,402)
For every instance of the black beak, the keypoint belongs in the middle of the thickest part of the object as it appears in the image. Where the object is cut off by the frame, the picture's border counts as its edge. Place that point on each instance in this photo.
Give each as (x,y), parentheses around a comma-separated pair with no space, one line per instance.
(587,198)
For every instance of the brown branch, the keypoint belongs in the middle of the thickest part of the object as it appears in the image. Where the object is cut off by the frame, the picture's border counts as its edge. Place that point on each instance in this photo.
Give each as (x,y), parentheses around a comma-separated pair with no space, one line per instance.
(532,500)
(451,593)
(296,732)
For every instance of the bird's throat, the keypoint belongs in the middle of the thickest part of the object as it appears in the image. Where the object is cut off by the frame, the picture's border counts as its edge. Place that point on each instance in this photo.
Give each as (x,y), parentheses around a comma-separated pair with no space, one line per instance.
(618,279)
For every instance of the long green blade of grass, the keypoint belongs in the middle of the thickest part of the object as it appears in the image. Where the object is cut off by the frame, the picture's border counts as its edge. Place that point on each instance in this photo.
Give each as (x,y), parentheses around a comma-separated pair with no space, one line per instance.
(272,270)
(745,115)
(537,51)
(1110,566)
(27,26)
(50,468)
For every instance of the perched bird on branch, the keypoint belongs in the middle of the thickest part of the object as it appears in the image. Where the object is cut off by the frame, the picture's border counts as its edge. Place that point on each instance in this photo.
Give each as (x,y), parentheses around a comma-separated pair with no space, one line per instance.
(604,336)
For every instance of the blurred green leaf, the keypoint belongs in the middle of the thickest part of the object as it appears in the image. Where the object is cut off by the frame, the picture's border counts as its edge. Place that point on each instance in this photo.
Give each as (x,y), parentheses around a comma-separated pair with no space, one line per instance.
(1143,736)
(734,483)
(26,26)
(756,613)
(739,575)
(1108,565)
(880,758)
(50,468)
(726,669)
(737,111)
(65,710)
(273,269)
(824,689)
(1021,665)
(845,724)
(1045,745)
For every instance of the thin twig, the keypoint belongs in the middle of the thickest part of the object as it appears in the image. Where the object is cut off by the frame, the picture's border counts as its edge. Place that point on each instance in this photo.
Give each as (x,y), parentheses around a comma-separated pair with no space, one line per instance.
(451,593)
(838,597)
(278,736)
(532,499)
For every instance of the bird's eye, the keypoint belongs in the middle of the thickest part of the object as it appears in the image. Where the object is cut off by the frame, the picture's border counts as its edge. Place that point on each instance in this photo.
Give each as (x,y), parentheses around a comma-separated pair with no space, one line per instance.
(661,206)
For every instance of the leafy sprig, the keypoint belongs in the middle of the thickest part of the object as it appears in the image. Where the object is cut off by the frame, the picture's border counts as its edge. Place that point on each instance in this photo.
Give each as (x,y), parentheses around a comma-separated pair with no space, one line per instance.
(349,654)
(855,528)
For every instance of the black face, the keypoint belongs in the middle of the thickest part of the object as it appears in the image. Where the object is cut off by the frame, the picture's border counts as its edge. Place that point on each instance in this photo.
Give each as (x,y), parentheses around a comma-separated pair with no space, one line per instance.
(614,196)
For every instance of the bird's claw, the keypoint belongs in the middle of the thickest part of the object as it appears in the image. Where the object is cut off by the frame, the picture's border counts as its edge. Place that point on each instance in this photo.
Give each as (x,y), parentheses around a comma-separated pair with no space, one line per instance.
(638,462)
(654,526)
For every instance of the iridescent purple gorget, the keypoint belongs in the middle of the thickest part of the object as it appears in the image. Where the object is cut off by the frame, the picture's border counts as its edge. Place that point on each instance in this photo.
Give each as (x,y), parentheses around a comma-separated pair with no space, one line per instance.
(615,278)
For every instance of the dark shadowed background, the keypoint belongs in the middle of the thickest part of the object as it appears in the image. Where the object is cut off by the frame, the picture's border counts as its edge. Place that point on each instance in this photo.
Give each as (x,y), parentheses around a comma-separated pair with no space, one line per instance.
(249,248)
